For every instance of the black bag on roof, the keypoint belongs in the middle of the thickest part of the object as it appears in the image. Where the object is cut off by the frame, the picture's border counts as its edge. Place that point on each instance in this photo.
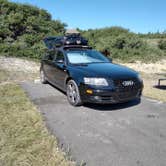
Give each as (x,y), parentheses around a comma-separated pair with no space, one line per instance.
(71,39)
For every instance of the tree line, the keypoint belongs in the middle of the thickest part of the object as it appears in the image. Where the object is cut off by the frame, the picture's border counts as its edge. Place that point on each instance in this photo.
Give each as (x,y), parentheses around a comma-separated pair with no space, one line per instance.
(23,27)
(125,45)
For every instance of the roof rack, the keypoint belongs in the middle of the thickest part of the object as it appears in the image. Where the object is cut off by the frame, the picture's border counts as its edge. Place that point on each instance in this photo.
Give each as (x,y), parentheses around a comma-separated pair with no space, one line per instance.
(76,46)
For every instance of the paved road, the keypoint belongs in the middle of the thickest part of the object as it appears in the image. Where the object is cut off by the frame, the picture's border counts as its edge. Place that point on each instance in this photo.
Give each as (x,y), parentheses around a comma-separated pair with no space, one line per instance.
(132,134)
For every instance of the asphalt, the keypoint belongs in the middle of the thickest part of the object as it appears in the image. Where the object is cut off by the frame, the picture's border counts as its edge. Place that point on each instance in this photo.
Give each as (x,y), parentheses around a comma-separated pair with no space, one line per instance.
(130,134)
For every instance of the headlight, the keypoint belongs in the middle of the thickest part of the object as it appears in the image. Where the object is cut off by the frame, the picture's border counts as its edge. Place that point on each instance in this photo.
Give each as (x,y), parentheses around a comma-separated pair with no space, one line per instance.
(96,81)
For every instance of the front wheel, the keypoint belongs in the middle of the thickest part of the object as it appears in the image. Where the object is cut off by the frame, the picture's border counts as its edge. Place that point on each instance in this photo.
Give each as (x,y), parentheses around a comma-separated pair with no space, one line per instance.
(73,94)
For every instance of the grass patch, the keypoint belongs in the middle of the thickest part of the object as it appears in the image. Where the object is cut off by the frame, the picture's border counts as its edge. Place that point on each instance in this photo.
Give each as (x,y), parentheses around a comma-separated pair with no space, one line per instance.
(16,76)
(24,141)
(151,80)
(4,76)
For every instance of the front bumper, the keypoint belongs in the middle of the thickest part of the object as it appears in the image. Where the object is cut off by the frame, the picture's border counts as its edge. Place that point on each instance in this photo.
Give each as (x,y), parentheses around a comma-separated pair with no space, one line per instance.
(109,95)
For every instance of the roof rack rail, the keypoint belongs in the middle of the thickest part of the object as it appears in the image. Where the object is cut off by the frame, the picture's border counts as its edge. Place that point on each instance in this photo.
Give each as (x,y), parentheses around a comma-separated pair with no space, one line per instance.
(76,46)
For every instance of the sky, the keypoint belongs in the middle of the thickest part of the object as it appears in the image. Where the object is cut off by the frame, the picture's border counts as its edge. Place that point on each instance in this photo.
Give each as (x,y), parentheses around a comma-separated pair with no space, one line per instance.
(140,16)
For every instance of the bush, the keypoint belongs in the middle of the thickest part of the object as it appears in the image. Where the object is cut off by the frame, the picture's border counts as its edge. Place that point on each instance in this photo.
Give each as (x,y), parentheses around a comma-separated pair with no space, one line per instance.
(23,27)
(162,44)
(123,45)
(119,42)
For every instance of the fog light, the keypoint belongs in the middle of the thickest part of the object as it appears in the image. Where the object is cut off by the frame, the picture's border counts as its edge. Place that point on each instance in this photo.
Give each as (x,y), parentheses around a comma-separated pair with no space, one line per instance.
(89,91)
(97,97)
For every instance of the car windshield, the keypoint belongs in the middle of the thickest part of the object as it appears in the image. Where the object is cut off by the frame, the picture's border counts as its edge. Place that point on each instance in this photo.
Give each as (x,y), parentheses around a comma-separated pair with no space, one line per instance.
(85,57)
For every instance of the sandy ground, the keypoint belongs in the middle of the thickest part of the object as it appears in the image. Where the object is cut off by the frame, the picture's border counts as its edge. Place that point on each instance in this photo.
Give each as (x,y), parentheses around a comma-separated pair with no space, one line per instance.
(16,64)
(150,68)
(15,69)
(151,73)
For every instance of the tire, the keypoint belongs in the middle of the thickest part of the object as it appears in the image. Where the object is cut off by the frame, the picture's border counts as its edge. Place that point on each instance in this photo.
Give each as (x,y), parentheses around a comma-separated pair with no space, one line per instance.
(42,77)
(73,94)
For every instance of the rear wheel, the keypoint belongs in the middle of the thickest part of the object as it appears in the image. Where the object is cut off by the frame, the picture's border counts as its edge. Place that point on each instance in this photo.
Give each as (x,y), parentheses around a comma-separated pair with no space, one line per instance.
(42,77)
(73,94)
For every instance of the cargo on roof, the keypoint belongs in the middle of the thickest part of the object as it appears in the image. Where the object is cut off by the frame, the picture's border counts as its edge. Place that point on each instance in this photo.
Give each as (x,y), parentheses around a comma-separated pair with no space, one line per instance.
(72,37)
(72,31)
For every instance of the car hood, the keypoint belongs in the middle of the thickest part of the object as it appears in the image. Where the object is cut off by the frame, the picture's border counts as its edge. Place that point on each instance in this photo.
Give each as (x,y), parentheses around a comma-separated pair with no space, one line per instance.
(114,71)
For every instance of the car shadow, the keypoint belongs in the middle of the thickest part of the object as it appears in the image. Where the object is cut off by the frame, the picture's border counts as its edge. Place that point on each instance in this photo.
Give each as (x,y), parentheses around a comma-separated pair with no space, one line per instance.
(56,88)
(113,107)
(105,107)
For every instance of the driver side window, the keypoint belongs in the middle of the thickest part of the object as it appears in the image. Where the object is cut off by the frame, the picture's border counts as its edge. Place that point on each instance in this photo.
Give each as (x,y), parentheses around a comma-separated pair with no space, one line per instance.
(59,57)
(50,55)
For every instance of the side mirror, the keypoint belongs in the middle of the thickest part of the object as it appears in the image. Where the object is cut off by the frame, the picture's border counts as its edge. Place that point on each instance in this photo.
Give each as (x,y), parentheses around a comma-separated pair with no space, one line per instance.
(110,59)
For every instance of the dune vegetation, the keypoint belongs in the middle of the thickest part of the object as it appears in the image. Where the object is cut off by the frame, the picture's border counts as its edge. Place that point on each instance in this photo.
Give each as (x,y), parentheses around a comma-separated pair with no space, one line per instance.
(23,27)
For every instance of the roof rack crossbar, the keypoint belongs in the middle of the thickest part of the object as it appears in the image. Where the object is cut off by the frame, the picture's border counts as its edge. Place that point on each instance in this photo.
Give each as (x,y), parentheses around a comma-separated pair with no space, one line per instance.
(76,46)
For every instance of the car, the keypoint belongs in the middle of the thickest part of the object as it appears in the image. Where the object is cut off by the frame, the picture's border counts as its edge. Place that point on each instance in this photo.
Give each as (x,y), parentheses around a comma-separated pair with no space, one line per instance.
(87,76)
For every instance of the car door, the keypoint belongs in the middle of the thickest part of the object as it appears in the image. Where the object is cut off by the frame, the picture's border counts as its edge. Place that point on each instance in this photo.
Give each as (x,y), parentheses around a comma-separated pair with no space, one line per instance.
(60,69)
(48,64)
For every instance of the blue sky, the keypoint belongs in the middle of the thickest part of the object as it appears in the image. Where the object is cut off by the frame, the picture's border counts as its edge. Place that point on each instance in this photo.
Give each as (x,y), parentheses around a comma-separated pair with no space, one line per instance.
(137,15)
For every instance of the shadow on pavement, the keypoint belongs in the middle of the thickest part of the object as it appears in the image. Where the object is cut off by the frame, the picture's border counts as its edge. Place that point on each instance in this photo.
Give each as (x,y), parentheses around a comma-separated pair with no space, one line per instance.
(113,107)
(106,107)
(57,88)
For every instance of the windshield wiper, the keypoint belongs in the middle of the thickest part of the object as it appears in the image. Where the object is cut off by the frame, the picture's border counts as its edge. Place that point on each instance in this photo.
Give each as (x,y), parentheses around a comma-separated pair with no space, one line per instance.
(80,64)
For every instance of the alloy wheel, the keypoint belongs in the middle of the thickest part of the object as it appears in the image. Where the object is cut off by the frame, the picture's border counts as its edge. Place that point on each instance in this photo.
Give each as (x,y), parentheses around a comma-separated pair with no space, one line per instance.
(73,93)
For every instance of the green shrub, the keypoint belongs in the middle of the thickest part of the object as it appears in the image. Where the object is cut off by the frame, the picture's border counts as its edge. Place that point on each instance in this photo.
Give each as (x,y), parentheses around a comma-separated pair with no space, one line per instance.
(162,44)
(119,42)
(123,44)
(23,27)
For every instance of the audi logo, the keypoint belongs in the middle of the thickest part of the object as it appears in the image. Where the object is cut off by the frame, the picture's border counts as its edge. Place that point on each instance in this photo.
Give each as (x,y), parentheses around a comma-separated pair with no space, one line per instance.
(128,83)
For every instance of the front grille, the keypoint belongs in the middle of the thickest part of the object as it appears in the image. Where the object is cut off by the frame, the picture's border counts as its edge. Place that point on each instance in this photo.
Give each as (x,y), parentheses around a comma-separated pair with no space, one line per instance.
(131,88)
(126,95)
